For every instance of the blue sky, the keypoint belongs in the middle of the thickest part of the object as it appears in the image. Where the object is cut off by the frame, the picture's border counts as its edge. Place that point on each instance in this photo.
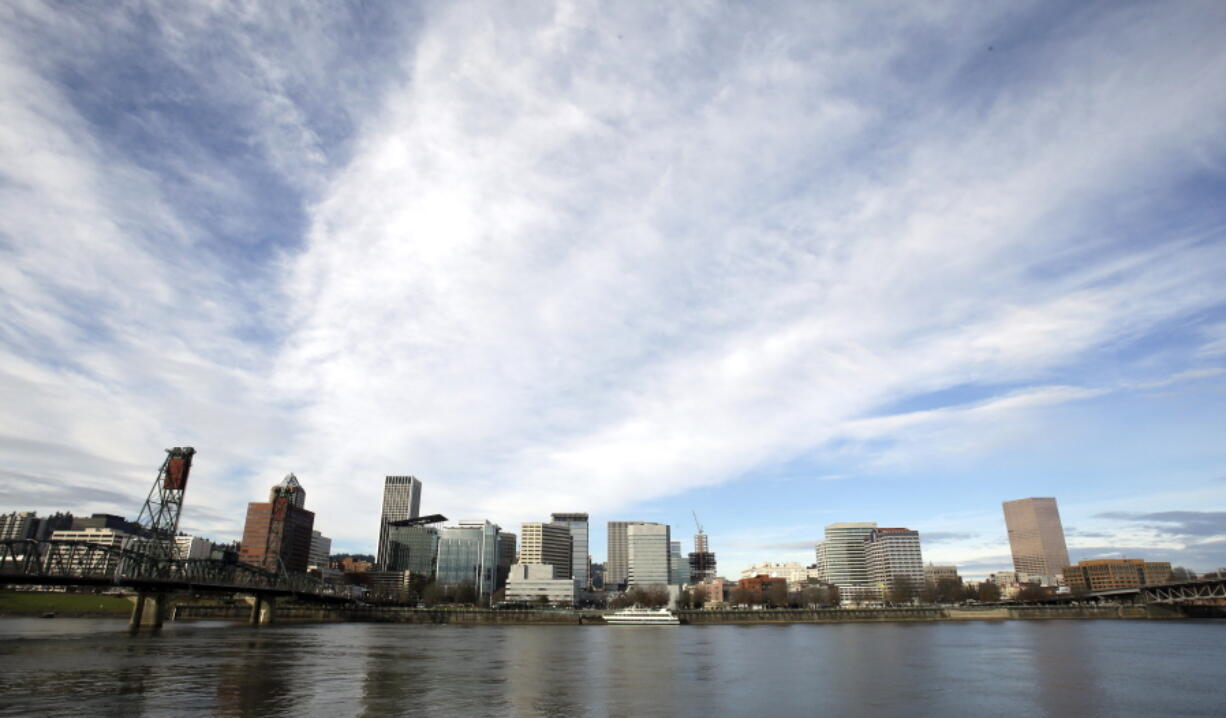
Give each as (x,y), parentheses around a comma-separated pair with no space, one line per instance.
(782,265)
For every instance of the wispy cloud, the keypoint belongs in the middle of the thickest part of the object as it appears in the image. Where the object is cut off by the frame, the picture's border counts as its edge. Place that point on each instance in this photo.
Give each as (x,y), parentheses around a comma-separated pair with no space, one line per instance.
(599,255)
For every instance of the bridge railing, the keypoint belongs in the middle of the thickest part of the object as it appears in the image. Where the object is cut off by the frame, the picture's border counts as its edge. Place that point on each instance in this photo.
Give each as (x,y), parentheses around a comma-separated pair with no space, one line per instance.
(125,565)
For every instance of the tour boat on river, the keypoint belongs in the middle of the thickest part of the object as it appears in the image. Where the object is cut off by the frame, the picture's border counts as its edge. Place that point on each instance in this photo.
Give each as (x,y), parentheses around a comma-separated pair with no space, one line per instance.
(642,617)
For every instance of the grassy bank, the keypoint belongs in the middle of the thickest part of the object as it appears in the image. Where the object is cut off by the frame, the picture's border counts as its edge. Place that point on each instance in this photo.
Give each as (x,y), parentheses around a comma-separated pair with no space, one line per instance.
(63,604)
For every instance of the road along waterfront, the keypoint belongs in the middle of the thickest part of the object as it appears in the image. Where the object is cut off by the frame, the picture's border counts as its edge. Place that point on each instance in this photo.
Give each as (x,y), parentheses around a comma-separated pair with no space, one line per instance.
(1044,668)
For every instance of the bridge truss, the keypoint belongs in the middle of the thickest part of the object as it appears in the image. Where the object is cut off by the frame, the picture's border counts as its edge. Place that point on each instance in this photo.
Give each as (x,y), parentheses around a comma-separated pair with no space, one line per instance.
(1186,593)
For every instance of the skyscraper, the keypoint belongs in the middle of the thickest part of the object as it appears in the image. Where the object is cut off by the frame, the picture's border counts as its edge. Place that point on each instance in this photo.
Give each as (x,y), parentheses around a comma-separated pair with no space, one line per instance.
(844,561)
(401,500)
(578,525)
(617,564)
(892,553)
(647,554)
(547,543)
(278,533)
(1036,537)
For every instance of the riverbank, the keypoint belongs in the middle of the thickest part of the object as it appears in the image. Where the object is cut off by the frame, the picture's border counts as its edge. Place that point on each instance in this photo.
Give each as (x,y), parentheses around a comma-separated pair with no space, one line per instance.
(396,614)
(69,605)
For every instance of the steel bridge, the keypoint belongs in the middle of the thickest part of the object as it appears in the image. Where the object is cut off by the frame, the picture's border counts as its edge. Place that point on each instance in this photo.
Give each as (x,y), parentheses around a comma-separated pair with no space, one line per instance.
(150,564)
(1202,592)
(79,563)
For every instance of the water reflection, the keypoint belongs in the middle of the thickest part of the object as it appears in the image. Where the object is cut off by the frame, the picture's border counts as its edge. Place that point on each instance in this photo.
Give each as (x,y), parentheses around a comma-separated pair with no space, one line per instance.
(1080,668)
(255,678)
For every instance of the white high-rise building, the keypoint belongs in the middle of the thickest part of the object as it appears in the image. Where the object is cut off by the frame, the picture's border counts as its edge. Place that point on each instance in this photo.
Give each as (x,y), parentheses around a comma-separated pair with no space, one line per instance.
(647,554)
(401,500)
(841,557)
(894,553)
(580,560)
(547,543)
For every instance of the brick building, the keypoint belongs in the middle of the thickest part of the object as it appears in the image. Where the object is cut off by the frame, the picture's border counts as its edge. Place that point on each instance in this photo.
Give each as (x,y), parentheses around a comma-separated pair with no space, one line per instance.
(1106,574)
(278,532)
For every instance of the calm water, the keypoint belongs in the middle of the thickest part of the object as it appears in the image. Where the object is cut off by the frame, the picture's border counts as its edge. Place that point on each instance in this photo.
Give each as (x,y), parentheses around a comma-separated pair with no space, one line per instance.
(88,667)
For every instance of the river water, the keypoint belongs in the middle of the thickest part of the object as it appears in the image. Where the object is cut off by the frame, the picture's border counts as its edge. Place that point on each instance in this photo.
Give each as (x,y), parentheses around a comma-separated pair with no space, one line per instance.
(91,667)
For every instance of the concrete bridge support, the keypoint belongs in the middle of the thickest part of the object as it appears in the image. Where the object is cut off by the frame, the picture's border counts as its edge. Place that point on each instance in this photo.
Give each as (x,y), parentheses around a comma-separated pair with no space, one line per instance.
(262,610)
(148,609)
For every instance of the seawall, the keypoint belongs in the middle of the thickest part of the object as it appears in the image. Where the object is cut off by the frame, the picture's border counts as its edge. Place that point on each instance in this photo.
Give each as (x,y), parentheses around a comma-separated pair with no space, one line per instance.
(396,614)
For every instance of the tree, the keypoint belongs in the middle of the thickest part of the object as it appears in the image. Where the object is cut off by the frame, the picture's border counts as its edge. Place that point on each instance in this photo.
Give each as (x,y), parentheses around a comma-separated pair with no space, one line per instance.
(1033,592)
(433,594)
(989,592)
(777,594)
(902,590)
(465,593)
(1179,573)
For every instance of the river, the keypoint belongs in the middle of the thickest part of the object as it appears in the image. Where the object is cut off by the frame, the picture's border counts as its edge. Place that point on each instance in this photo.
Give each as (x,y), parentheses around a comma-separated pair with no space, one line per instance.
(91,667)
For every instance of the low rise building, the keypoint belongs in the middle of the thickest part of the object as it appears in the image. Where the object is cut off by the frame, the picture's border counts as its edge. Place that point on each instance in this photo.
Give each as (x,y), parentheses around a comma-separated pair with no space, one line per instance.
(794,572)
(1106,574)
(530,582)
(762,589)
(194,547)
(934,574)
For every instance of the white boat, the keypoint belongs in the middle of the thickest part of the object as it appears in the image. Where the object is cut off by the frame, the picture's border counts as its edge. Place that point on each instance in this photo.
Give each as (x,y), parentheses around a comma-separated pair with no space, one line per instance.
(642,617)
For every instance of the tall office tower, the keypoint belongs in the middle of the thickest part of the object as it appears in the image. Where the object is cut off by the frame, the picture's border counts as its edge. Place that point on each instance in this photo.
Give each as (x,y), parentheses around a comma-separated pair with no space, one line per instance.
(679,568)
(845,562)
(894,553)
(1036,537)
(647,554)
(278,533)
(506,557)
(820,564)
(468,553)
(616,566)
(580,560)
(542,543)
(401,500)
(292,490)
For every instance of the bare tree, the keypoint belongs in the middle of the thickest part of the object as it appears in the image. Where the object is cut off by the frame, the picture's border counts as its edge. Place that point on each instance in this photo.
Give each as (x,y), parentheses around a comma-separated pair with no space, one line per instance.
(902,590)
(989,592)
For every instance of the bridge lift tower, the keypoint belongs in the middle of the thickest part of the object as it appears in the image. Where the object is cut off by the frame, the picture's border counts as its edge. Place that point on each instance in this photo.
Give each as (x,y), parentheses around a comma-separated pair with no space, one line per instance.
(159,518)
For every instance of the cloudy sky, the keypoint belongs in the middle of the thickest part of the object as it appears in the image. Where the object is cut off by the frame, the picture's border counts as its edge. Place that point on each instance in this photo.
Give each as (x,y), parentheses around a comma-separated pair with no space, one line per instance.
(782,265)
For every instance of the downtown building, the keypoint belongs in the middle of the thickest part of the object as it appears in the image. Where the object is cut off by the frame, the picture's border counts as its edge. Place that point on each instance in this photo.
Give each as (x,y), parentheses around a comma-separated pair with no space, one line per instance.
(1108,574)
(549,544)
(277,533)
(647,554)
(679,567)
(581,559)
(701,560)
(893,556)
(1036,538)
(794,572)
(469,553)
(534,582)
(401,500)
(843,561)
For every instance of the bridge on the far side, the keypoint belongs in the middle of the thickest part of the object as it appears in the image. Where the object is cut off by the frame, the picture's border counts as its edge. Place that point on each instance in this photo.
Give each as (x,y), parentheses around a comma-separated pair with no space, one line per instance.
(150,564)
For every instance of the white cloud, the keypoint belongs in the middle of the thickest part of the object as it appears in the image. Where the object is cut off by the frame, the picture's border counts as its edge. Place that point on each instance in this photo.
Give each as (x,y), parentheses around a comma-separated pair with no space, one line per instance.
(591,256)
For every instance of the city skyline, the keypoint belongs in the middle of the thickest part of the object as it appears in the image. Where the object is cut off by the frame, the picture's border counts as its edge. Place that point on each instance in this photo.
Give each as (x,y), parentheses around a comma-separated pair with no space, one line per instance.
(778,266)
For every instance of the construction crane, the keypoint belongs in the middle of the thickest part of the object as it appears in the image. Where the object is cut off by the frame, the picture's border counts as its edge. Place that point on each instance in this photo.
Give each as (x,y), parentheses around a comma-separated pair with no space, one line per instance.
(696,521)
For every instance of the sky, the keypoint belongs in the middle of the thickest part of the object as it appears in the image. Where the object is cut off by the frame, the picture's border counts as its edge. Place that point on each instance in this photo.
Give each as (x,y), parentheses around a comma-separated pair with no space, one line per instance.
(779,264)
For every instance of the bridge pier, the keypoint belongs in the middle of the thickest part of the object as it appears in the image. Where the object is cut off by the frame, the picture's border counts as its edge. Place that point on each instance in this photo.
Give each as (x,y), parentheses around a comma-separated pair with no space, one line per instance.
(262,610)
(148,609)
